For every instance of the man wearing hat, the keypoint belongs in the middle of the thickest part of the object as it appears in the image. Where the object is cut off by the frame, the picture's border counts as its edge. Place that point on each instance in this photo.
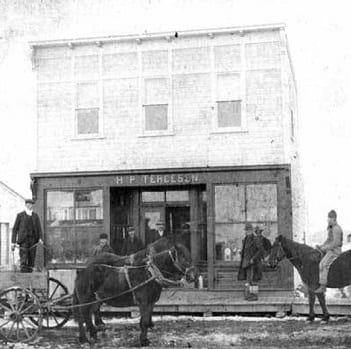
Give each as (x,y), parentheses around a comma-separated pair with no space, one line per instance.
(251,263)
(103,245)
(159,233)
(331,248)
(266,244)
(132,243)
(27,234)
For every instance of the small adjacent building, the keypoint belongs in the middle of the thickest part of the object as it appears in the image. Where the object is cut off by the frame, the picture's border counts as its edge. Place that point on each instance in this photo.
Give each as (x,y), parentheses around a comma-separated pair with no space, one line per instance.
(10,204)
(196,128)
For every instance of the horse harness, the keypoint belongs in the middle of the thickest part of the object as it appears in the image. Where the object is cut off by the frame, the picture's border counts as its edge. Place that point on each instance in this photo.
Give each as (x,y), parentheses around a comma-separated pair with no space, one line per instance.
(154,271)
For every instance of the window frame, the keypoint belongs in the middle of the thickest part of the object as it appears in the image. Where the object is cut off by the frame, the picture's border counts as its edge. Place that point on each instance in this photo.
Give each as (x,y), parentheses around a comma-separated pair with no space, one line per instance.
(245,184)
(241,71)
(81,80)
(144,76)
(72,226)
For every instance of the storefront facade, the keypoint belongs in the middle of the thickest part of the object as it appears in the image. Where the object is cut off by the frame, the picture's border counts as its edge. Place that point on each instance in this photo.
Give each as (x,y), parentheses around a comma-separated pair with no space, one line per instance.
(213,204)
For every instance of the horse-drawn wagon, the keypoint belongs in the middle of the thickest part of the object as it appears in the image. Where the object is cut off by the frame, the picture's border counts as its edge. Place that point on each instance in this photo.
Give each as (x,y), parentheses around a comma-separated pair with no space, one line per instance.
(30,302)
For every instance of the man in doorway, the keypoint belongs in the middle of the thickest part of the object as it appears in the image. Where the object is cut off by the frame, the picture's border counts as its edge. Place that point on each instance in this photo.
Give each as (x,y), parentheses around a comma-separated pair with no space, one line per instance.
(132,243)
(251,263)
(27,234)
(331,248)
(103,245)
(160,231)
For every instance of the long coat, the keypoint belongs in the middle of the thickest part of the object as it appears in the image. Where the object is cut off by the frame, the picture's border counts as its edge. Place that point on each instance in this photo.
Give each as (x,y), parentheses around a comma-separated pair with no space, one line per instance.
(26,227)
(252,249)
(131,246)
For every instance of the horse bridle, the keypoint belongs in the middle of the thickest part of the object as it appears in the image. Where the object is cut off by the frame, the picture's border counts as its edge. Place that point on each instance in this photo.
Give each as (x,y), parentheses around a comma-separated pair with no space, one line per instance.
(283,254)
(175,260)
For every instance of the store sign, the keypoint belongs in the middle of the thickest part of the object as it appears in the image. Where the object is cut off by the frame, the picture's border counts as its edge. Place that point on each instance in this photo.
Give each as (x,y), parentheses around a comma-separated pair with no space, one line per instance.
(158,179)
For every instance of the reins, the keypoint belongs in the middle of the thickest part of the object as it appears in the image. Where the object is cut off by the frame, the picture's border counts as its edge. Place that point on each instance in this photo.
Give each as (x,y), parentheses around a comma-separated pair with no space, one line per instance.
(150,266)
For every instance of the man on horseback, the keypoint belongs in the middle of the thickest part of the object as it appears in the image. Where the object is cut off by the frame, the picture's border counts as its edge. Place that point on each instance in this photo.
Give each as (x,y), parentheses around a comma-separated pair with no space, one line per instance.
(331,248)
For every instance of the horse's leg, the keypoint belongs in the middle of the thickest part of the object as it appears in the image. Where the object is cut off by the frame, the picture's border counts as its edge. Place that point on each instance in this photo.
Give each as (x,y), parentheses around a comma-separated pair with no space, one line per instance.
(87,312)
(322,302)
(311,300)
(78,316)
(145,310)
(98,320)
(151,324)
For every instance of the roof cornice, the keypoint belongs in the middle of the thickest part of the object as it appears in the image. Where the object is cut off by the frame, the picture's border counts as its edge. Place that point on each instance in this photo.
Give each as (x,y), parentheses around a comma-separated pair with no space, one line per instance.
(153,36)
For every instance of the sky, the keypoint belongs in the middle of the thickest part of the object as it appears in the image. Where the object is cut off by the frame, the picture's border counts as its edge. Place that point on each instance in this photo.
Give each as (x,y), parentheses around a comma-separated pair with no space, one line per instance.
(318,35)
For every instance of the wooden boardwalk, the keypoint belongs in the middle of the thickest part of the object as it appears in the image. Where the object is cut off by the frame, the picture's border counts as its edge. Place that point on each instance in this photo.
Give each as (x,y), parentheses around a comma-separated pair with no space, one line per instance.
(208,303)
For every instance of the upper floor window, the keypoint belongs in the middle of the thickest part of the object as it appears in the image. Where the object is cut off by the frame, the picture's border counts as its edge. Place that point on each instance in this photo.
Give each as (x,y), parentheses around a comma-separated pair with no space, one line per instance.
(229,101)
(156,105)
(87,108)
(87,93)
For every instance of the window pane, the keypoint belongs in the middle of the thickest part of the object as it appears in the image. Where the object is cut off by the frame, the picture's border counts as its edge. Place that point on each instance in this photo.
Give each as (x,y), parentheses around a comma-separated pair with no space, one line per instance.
(87,238)
(229,114)
(87,94)
(153,196)
(88,207)
(86,66)
(177,195)
(228,87)
(262,202)
(228,239)
(61,245)
(230,203)
(59,209)
(156,117)
(87,121)
(156,91)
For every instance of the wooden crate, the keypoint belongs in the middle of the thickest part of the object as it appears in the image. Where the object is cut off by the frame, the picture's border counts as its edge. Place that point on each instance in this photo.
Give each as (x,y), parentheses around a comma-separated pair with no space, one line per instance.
(35,280)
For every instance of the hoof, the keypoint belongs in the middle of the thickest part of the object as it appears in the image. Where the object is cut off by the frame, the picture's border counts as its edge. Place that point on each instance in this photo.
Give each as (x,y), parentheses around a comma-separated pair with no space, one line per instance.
(145,342)
(151,325)
(325,320)
(101,327)
(83,340)
(310,320)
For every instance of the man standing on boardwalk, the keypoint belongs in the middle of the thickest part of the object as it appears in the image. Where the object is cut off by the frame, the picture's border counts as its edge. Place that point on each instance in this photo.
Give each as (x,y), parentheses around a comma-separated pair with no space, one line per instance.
(27,234)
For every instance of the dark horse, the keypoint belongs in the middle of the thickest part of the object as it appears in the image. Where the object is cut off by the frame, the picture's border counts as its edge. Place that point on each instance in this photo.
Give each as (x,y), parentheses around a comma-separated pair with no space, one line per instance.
(306,260)
(107,280)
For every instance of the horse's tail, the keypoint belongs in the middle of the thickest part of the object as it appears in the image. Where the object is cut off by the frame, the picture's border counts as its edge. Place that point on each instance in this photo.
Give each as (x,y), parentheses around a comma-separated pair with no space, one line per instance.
(75,302)
(75,309)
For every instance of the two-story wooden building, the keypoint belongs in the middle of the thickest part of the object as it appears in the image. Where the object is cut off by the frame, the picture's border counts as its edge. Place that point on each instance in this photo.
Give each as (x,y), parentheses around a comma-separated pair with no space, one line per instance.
(196,127)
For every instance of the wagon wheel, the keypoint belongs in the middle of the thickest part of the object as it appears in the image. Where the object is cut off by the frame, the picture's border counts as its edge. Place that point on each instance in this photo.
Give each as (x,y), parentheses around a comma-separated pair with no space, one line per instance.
(57,295)
(17,309)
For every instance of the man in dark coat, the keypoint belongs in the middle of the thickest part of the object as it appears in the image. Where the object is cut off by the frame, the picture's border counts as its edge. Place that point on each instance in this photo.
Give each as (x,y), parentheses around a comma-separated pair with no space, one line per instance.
(266,244)
(132,243)
(27,234)
(251,262)
(159,233)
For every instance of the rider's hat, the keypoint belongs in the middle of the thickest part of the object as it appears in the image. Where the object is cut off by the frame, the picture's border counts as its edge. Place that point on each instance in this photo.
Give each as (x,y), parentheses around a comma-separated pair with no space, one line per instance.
(130,228)
(29,201)
(103,236)
(332,214)
(159,222)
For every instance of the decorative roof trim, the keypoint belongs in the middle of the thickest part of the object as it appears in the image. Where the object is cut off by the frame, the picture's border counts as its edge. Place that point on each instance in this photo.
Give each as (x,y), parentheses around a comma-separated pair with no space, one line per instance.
(152,36)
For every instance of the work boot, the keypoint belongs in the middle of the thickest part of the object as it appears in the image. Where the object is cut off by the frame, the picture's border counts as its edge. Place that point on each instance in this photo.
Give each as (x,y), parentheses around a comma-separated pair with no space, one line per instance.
(321,289)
